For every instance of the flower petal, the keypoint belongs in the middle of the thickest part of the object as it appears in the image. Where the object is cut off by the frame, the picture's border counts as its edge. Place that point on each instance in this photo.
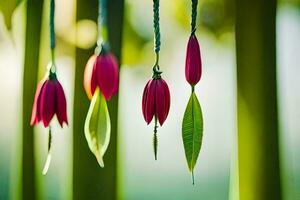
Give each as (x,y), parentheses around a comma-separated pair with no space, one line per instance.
(94,82)
(162,101)
(116,87)
(116,71)
(167,99)
(89,79)
(150,101)
(36,116)
(144,100)
(47,105)
(107,74)
(61,105)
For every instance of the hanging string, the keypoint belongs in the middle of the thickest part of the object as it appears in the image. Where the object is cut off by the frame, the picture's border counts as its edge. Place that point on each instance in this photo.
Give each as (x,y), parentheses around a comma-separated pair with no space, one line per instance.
(52,35)
(102,23)
(194,15)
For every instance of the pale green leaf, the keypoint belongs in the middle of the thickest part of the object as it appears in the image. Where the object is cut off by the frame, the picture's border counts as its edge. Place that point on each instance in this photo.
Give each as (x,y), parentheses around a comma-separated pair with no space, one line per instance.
(192,131)
(97,126)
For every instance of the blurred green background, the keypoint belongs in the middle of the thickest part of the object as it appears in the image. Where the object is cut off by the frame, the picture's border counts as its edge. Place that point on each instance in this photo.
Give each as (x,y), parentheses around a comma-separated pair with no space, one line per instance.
(139,177)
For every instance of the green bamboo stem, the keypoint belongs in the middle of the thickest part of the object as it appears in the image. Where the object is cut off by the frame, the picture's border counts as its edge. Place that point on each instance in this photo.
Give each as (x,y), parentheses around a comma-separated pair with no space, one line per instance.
(258,148)
(31,62)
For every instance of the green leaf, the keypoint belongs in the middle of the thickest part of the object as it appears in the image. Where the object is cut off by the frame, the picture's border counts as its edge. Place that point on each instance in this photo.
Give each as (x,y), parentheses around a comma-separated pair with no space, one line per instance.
(7,7)
(192,131)
(97,127)
(18,2)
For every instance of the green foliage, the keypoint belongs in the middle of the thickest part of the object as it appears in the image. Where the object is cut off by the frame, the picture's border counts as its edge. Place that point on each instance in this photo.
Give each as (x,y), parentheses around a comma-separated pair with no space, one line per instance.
(7,7)
(97,127)
(192,131)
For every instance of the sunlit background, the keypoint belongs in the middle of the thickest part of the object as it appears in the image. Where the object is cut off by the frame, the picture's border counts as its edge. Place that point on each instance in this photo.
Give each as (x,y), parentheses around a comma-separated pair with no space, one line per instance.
(139,176)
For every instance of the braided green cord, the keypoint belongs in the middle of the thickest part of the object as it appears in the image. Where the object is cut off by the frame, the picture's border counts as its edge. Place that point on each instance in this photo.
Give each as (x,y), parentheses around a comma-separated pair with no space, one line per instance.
(156,26)
(194,15)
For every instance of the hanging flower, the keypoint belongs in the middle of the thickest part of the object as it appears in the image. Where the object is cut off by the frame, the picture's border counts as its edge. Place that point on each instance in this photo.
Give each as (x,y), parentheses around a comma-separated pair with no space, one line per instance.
(193,65)
(49,100)
(192,123)
(156,95)
(156,100)
(102,71)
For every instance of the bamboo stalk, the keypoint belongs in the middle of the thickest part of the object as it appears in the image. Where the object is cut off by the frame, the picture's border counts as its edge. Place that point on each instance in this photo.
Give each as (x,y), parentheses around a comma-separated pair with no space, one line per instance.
(258,148)
(31,61)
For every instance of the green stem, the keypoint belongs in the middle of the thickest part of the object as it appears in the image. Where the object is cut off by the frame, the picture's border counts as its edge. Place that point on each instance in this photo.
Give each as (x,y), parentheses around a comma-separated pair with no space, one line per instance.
(193,88)
(102,23)
(48,160)
(155,140)
(49,139)
(156,60)
(52,35)
(52,27)
(53,65)
(155,69)
(193,177)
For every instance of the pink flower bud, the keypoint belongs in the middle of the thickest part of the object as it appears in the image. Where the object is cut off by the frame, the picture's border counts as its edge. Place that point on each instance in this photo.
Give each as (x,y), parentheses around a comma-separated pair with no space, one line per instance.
(49,100)
(193,64)
(102,71)
(156,100)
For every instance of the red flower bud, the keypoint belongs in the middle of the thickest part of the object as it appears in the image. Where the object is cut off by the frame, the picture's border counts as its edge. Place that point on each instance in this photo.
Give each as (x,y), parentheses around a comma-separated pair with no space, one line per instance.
(102,71)
(49,100)
(156,100)
(193,64)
